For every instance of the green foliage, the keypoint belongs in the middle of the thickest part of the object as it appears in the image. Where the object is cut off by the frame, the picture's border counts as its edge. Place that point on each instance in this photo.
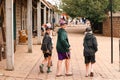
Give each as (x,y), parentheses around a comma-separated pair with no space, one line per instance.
(94,10)
(116,5)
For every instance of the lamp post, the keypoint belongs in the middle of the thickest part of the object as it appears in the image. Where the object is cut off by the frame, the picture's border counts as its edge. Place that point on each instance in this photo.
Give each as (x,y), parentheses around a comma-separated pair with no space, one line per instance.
(111,32)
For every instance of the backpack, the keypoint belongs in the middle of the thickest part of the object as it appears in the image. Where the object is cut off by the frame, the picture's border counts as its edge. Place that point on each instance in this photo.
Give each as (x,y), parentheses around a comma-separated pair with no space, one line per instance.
(44,46)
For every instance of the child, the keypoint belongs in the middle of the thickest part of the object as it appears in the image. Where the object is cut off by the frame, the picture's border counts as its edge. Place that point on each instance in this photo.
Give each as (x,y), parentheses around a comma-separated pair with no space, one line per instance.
(90,48)
(63,50)
(47,50)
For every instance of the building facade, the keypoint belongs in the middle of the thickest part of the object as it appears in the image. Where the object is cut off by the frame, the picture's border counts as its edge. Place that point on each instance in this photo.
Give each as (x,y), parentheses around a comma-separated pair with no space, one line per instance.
(19,15)
(116,26)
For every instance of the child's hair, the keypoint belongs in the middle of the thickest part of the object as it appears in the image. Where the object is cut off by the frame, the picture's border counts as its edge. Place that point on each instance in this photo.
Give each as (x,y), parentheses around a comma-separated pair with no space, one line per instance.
(47,28)
(88,29)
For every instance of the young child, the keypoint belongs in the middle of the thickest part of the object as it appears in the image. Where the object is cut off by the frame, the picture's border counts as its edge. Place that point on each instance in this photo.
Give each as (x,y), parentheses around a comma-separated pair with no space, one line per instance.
(63,50)
(47,50)
(90,48)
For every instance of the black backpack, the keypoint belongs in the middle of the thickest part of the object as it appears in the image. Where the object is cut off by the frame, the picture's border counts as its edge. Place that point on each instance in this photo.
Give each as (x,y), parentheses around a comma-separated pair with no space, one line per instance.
(44,45)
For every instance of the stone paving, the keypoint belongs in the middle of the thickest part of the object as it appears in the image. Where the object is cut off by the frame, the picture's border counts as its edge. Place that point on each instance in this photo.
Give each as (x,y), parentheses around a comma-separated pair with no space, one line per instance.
(27,64)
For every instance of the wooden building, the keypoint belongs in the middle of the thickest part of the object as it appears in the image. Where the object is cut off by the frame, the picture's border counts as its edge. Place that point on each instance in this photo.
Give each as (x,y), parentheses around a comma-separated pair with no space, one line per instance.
(116,25)
(20,15)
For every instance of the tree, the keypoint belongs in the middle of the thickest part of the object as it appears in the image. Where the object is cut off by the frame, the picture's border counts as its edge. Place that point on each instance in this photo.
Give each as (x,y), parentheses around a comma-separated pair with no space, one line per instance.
(94,10)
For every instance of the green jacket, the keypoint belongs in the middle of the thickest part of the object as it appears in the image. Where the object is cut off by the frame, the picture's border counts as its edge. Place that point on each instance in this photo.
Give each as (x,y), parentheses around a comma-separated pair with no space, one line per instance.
(62,41)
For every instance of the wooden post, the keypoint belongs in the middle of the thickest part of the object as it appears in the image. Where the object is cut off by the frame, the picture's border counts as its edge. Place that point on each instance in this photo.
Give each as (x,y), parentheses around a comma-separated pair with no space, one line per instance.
(45,15)
(51,13)
(29,24)
(9,35)
(0,52)
(119,55)
(49,16)
(39,22)
(57,18)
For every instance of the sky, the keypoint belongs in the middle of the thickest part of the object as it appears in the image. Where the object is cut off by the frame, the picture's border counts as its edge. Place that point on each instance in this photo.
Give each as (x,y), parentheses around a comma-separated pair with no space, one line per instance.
(51,1)
(54,2)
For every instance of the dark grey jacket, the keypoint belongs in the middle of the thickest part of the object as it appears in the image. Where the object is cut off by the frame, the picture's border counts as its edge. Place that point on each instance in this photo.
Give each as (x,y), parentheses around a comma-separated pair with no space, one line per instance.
(90,44)
(46,43)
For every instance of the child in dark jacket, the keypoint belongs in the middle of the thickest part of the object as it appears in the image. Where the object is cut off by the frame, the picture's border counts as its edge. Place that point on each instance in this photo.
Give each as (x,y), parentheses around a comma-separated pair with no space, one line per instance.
(90,48)
(47,50)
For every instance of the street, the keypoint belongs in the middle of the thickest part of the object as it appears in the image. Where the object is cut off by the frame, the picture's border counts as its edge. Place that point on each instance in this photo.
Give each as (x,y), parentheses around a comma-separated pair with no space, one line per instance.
(27,64)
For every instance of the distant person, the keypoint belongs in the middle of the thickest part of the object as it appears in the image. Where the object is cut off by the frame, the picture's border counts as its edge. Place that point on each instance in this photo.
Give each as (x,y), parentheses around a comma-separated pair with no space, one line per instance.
(53,22)
(90,48)
(84,20)
(63,50)
(47,50)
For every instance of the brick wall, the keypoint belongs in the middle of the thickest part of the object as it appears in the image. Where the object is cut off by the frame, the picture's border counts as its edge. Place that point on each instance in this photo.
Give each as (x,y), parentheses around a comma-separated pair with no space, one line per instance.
(116,27)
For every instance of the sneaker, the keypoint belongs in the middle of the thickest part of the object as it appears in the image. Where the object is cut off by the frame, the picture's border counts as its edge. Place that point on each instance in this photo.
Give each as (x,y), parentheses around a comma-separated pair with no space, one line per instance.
(59,75)
(48,71)
(91,74)
(69,74)
(86,75)
(41,69)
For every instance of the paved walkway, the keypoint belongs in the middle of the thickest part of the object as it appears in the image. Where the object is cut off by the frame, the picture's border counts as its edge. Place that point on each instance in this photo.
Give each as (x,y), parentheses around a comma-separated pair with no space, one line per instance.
(27,64)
